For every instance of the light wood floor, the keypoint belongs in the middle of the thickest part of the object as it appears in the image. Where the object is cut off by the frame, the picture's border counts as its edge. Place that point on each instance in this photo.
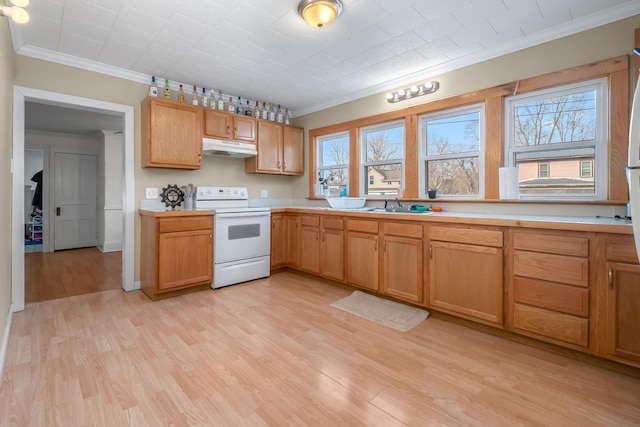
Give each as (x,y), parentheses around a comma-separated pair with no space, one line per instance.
(52,275)
(273,352)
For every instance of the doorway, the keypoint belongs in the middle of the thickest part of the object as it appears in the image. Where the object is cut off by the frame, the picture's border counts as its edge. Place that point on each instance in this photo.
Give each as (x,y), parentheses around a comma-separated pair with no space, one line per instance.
(23,95)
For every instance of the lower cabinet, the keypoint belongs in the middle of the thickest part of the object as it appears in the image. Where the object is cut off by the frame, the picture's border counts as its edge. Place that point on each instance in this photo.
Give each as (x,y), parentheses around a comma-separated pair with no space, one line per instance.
(278,241)
(466,272)
(402,265)
(550,286)
(322,246)
(362,253)
(292,233)
(176,254)
(310,243)
(622,341)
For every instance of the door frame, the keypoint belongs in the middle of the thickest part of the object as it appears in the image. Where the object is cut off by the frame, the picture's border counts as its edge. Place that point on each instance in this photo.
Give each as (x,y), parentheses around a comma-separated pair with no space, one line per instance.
(23,94)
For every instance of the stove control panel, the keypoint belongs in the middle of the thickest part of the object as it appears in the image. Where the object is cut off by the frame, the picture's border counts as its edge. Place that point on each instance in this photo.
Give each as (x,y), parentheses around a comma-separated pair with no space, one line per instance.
(221,193)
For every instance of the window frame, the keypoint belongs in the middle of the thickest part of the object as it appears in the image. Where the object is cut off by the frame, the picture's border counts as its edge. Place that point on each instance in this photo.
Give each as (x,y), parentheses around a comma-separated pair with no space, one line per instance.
(481,153)
(319,141)
(364,164)
(590,163)
(600,143)
(546,170)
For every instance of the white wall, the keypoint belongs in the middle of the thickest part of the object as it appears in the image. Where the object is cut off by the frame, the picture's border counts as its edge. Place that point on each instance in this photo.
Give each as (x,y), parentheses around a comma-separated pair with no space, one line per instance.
(110,190)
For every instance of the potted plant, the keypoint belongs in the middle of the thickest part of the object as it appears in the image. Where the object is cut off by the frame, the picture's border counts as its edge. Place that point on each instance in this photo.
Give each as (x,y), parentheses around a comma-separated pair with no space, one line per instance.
(432,193)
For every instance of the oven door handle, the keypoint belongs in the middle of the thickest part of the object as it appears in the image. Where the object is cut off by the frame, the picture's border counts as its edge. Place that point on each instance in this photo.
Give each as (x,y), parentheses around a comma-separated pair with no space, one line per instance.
(242,214)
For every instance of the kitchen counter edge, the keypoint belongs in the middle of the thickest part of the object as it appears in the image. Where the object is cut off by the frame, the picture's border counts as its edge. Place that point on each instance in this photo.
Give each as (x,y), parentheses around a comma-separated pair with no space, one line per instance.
(174,213)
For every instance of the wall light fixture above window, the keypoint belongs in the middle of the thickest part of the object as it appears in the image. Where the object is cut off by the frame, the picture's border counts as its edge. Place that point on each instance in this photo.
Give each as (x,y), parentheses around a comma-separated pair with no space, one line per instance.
(413,91)
(16,11)
(319,13)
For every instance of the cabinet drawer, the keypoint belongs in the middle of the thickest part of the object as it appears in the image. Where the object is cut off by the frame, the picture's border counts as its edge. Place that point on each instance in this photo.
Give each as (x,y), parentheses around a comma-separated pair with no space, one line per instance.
(553,268)
(621,248)
(362,225)
(553,244)
(402,229)
(563,327)
(170,225)
(310,220)
(331,222)
(567,299)
(471,236)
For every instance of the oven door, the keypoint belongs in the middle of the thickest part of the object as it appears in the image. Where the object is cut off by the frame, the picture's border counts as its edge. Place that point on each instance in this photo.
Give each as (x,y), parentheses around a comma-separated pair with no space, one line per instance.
(241,235)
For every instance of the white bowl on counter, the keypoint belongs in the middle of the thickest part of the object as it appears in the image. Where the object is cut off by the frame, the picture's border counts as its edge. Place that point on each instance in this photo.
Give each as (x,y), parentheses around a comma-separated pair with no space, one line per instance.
(346,202)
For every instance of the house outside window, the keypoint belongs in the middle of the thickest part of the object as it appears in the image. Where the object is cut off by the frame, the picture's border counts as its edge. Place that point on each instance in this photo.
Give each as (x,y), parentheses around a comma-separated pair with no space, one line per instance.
(383,158)
(452,152)
(565,128)
(333,161)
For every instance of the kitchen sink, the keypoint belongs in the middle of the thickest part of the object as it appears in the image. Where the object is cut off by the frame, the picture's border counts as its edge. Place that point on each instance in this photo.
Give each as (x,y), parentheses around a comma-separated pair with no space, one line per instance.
(402,211)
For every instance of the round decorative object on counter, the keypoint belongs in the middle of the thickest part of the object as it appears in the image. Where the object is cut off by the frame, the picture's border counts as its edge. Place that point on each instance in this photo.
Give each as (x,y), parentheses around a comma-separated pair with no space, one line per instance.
(172,196)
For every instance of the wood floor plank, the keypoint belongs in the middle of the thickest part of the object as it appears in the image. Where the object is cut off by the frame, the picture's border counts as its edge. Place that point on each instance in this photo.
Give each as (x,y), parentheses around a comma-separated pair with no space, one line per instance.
(273,352)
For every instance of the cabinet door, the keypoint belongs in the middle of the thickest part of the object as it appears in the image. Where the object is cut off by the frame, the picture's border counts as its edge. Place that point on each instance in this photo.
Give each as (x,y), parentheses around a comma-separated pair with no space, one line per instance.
(217,124)
(244,128)
(623,311)
(278,241)
(310,249)
(402,268)
(172,134)
(269,144)
(332,254)
(467,280)
(184,259)
(293,151)
(293,241)
(362,260)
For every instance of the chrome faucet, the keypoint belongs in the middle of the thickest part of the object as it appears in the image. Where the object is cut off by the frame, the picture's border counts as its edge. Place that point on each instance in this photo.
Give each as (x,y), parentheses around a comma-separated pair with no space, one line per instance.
(386,201)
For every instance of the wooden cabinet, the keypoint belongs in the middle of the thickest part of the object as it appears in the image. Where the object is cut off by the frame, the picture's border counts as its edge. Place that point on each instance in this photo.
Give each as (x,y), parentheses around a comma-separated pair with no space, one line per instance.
(622,338)
(466,272)
(171,134)
(362,253)
(278,241)
(550,286)
(310,243)
(402,261)
(220,124)
(322,246)
(293,240)
(176,254)
(332,248)
(280,150)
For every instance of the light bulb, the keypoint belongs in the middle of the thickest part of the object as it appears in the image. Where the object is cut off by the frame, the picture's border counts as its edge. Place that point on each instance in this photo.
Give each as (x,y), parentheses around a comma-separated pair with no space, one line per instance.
(389,96)
(401,93)
(414,90)
(19,15)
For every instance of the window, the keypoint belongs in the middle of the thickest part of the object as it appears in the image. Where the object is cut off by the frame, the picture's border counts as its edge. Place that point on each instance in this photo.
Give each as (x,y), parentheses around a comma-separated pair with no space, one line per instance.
(564,128)
(543,170)
(452,152)
(332,162)
(586,169)
(383,158)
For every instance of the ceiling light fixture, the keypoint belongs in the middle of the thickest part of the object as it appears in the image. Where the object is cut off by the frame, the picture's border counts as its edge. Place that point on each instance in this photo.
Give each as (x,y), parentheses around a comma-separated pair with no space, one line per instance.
(16,12)
(319,13)
(413,91)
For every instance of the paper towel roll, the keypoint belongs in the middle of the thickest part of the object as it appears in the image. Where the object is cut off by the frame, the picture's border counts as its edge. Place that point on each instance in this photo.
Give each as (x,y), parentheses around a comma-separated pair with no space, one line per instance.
(509,179)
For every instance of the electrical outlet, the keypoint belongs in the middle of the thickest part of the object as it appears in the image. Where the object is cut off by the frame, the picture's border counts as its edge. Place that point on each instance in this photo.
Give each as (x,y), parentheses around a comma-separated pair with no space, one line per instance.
(264,193)
(151,193)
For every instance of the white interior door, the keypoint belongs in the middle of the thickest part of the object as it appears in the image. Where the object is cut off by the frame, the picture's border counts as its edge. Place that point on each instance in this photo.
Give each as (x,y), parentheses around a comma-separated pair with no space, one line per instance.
(75,199)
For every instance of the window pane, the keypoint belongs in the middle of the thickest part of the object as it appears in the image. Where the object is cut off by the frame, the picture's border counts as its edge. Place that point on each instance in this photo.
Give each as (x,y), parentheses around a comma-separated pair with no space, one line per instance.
(383,145)
(455,134)
(453,176)
(556,119)
(386,179)
(564,174)
(334,151)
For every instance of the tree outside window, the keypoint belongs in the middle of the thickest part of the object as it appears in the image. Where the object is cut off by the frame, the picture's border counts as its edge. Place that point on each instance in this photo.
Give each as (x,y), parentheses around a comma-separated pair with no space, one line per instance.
(452,143)
(383,163)
(557,138)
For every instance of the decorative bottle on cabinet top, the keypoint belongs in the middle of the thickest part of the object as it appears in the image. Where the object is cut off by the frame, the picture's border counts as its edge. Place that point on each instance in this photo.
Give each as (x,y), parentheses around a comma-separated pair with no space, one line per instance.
(153,87)
(180,94)
(167,91)
(264,112)
(230,107)
(194,96)
(205,98)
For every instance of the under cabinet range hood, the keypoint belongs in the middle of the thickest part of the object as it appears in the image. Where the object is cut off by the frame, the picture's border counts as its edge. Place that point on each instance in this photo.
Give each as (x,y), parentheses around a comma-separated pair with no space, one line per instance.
(220,147)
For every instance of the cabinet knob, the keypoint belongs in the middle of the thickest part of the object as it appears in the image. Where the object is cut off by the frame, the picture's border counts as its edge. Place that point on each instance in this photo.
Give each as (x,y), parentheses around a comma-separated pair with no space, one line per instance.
(610,278)
(375,244)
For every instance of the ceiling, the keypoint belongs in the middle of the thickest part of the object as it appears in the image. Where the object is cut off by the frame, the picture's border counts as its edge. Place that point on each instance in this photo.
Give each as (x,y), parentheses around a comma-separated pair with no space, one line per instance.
(262,50)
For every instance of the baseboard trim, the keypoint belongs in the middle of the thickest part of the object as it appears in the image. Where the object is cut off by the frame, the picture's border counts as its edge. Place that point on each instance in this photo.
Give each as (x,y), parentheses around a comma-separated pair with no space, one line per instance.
(110,247)
(5,342)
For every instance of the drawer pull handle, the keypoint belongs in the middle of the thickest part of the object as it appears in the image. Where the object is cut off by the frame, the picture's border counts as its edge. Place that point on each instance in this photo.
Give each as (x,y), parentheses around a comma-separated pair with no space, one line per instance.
(610,278)
(375,244)
(430,252)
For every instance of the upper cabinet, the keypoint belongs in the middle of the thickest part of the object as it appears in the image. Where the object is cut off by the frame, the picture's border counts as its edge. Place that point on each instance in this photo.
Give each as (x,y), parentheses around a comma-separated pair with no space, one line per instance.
(280,150)
(171,134)
(220,124)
